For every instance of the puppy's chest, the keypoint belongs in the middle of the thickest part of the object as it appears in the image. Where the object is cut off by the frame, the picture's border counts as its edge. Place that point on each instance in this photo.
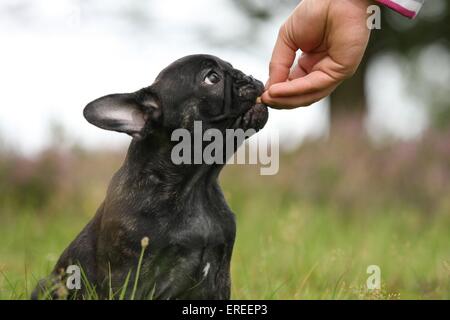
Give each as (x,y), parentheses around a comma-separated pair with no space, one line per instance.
(203,224)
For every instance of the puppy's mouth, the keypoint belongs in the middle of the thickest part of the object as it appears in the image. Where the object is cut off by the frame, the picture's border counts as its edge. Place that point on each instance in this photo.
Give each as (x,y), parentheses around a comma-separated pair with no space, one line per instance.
(255,118)
(255,114)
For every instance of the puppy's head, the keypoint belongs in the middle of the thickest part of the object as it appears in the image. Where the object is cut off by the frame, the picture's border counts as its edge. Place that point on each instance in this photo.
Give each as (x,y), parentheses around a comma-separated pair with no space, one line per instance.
(194,88)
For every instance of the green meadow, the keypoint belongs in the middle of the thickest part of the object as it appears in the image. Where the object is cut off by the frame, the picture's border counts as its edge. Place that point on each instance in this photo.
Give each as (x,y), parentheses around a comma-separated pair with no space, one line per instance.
(310,232)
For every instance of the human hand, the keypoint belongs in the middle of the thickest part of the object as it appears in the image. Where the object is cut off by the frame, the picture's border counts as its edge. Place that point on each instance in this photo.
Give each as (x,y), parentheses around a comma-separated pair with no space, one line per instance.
(332,36)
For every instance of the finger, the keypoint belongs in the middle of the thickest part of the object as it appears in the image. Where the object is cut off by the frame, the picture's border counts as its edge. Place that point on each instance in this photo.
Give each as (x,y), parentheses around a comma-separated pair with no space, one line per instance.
(297,72)
(306,64)
(307,61)
(292,102)
(295,101)
(283,57)
(313,82)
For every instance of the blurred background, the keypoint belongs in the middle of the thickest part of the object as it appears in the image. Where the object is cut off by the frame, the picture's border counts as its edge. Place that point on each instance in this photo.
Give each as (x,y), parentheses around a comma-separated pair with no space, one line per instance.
(364,175)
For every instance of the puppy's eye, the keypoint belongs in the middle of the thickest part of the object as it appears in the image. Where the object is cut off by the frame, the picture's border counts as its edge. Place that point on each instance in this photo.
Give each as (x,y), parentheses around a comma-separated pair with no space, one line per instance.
(212,78)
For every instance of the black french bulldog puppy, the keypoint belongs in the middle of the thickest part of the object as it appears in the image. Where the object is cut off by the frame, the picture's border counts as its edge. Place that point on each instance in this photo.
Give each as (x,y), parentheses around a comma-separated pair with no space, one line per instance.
(180,208)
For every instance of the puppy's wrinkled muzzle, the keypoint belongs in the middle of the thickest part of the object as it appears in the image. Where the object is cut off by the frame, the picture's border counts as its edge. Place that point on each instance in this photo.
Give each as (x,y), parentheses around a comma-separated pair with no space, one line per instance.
(248,88)
(253,115)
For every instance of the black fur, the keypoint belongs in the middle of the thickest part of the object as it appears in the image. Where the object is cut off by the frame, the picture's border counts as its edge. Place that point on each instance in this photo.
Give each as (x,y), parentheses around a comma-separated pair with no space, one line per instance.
(180,208)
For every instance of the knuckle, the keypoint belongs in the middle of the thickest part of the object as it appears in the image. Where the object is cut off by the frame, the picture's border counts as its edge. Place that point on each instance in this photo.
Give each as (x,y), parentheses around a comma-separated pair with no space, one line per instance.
(348,71)
(282,30)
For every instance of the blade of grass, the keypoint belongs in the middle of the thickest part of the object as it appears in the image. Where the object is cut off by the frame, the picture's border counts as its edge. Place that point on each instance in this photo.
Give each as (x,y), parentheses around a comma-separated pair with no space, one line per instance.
(26,279)
(111,294)
(91,292)
(125,287)
(308,275)
(337,284)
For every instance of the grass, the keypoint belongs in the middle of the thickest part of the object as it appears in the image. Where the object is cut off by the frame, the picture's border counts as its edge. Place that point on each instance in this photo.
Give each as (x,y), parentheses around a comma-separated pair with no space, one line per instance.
(288,251)
(309,232)
(312,253)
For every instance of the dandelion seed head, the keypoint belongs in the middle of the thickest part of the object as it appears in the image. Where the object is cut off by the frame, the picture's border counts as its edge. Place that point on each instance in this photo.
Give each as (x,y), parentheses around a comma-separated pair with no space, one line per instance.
(144,242)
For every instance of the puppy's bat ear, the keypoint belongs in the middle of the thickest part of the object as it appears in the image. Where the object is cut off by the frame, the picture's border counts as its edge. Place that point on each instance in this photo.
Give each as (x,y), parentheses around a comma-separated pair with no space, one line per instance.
(126,112)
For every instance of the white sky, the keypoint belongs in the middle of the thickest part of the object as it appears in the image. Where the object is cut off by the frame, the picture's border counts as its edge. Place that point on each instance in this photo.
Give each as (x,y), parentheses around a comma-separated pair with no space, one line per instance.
(57,58)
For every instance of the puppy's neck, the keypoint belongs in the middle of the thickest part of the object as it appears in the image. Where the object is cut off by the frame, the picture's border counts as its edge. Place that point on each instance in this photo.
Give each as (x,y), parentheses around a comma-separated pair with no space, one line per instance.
(148,165)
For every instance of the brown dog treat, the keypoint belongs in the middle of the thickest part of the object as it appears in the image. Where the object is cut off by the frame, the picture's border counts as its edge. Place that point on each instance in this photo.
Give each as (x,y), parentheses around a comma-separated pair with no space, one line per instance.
(258,100)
